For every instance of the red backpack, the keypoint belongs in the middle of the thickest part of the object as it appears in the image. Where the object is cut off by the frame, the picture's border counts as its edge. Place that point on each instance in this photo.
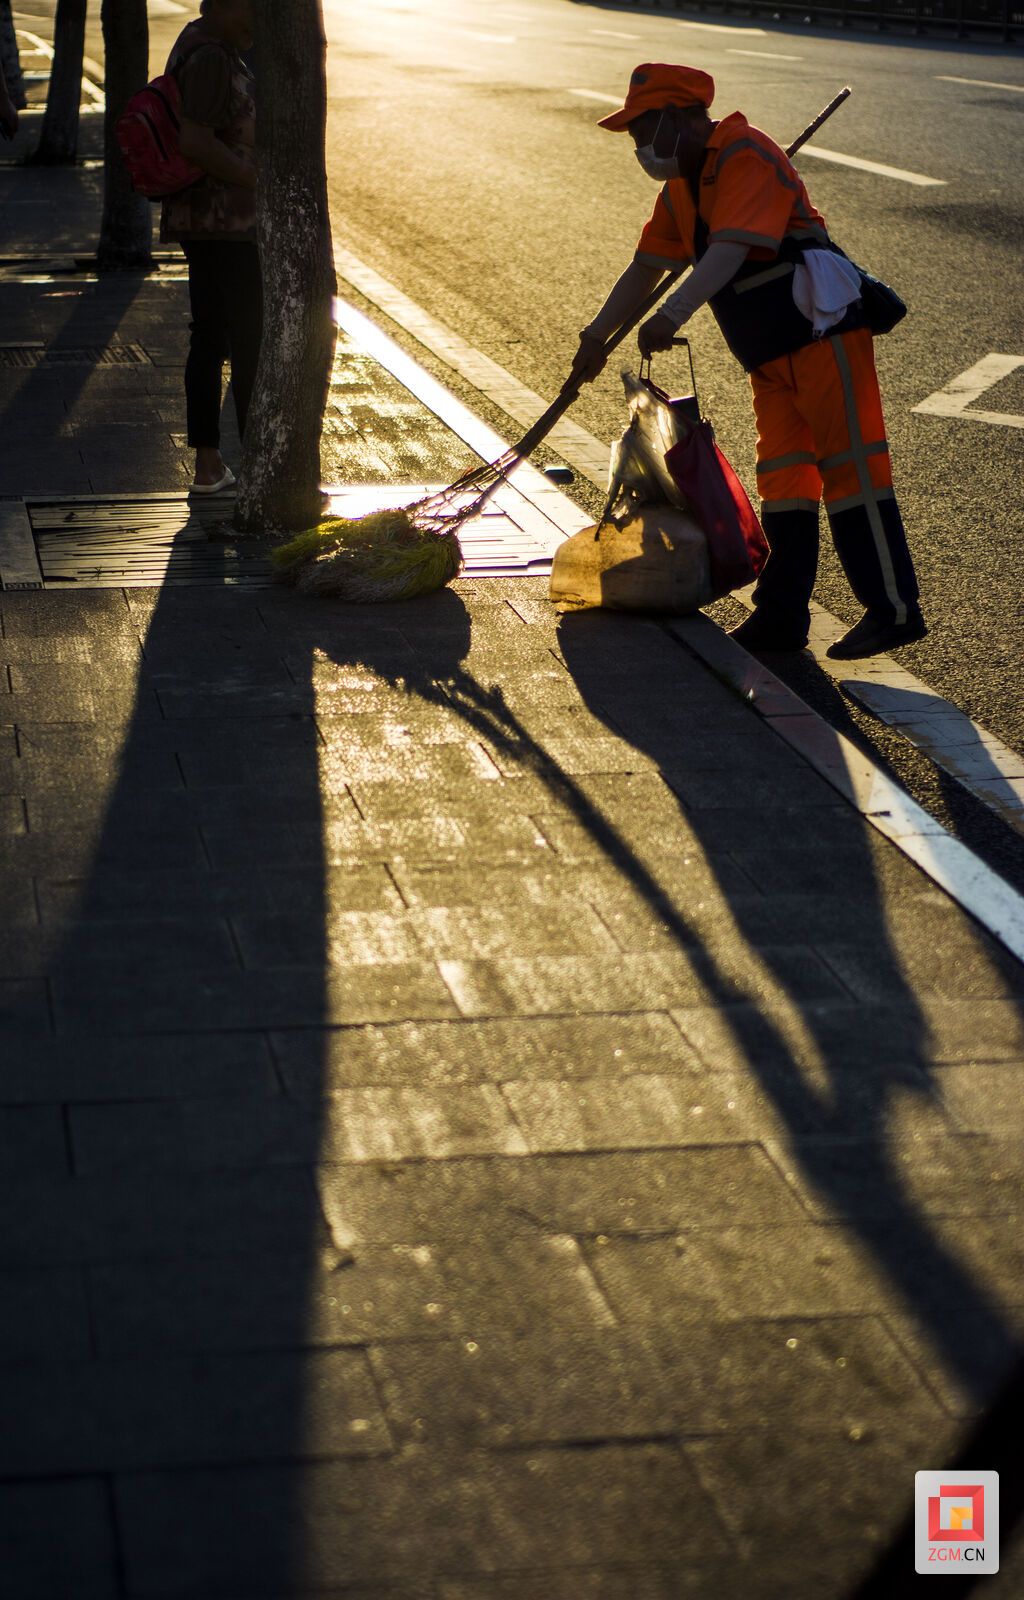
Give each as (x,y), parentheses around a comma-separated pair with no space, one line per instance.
(149,131)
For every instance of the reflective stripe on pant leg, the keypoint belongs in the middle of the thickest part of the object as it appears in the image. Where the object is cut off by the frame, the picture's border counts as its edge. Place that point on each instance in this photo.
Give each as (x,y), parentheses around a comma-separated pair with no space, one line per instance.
(787,470)
(868,493)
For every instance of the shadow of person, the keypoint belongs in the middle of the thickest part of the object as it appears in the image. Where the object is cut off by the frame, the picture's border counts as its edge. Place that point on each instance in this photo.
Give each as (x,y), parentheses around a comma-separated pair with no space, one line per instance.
(801,899)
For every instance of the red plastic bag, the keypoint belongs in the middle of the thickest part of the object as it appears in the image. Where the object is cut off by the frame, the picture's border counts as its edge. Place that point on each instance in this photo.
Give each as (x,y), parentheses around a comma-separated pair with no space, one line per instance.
(737,547)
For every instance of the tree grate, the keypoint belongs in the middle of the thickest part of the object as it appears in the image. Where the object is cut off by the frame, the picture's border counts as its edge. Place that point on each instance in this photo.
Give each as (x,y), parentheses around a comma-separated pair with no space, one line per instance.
(41,355)
(140,541)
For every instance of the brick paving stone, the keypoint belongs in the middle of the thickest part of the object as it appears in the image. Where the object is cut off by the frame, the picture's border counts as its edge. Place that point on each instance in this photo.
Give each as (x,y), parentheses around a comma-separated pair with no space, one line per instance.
(18,897)
(820,1482)
(382,1520)
(973,969)
(58,1539)
(152,1068)
(384,1293)
(32,1141)
(647,1582)
(985,1099)
(619,983)
(808,1270)
(636,1113)
(24,1011)
(496,1390)
(370,1124)
(313,1065)
(272,998)
(128,896)
(115,1415)
(955,1176)
(155,1215)
(584,1194)
(44,1315)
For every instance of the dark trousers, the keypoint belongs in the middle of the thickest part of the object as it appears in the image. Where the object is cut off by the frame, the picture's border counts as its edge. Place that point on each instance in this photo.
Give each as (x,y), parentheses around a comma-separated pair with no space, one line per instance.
(226,296)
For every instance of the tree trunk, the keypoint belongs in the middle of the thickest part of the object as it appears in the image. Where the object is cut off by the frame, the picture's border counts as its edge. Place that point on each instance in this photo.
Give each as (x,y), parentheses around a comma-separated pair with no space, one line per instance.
(280,481)
(9,58)
(126,229)
(58,142)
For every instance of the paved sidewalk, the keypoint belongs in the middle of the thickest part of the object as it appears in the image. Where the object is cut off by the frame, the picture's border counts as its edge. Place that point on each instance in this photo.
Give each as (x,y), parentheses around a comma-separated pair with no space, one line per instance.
(480,1118)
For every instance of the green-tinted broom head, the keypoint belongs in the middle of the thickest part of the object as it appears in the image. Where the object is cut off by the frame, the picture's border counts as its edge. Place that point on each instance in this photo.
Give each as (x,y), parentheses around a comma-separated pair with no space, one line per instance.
(379,526)
(382,556)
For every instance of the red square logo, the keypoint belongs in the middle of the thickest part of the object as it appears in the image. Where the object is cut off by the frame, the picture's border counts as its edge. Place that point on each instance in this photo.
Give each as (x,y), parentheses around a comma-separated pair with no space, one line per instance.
(957,1513)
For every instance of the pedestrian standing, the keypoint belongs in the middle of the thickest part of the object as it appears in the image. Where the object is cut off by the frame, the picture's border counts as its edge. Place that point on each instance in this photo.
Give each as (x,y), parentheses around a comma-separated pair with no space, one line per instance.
(788,303)
(214,220)
(8,110)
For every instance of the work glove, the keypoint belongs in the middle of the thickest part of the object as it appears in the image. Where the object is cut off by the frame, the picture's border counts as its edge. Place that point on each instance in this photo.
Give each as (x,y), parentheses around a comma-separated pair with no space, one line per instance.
(589,360)
(656,333)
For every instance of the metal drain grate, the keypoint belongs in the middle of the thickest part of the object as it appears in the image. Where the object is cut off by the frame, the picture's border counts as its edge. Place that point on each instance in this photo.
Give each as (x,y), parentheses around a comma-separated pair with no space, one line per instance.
(142,544)
(146,541)
(41,355)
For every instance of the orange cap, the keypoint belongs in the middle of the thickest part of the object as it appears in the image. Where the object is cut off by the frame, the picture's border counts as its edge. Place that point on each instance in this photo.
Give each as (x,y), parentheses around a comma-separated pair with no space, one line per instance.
(654,86)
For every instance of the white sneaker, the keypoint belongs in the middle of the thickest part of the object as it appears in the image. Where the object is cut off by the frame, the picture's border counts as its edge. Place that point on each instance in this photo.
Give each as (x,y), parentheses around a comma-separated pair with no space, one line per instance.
(226,481)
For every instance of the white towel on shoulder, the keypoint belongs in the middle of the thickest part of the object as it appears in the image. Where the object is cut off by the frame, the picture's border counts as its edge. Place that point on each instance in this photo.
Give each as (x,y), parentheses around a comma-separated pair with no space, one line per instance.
(824,287)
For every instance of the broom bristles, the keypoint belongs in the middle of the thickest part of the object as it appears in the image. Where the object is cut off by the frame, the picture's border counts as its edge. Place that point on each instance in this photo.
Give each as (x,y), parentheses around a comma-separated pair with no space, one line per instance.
(393,554)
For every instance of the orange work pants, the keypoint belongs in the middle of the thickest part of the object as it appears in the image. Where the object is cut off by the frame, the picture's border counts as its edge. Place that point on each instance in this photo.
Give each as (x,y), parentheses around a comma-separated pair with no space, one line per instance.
(820,430)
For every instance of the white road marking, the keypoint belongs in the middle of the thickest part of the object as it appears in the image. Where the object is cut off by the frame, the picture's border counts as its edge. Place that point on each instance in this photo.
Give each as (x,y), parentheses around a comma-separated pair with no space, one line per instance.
(165,8)
(766,55)
(954,400)
(609,33)
(486,38)
(717,27)
(982,83)
(93,90)
(878,167)
(592,94)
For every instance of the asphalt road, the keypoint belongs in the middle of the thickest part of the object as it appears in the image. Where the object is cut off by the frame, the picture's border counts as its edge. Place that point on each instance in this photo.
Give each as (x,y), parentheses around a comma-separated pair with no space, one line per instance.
(464,168)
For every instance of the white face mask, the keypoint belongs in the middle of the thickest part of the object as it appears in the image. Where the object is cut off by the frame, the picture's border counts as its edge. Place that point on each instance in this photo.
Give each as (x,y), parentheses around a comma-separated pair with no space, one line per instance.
(660,168)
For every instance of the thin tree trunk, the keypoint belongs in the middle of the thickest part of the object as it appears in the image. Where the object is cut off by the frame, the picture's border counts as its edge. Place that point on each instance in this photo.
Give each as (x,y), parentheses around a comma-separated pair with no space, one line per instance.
(58,142)
(10,58)
(126,229)
(280,482)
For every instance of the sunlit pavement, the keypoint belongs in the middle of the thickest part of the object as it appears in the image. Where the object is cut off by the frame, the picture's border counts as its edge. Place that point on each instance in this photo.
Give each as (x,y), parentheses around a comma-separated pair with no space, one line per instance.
(480,1115)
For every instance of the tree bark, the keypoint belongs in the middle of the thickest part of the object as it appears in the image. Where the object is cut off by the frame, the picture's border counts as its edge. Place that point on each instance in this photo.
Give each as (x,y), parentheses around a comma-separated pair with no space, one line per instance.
(279,490)
(58,142)
(10,58)
(126,229)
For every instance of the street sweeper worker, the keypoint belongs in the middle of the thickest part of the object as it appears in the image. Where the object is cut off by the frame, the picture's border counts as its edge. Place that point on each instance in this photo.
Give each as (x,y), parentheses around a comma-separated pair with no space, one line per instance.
(734,209)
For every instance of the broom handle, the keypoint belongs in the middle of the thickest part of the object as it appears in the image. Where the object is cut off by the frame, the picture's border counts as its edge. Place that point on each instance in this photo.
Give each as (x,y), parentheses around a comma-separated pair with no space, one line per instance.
(570,390)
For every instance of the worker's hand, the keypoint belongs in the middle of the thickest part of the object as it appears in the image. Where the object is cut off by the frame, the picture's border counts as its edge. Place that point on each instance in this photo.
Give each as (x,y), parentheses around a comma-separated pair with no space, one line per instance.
(589,360)
(656,333)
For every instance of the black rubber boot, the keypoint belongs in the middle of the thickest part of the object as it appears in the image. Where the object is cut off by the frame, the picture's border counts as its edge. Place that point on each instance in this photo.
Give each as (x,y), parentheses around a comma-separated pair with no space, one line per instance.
(873,635)
(782,595)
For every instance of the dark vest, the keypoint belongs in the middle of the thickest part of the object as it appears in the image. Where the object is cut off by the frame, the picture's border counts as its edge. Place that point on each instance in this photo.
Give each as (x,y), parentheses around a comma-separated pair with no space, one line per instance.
(756,310)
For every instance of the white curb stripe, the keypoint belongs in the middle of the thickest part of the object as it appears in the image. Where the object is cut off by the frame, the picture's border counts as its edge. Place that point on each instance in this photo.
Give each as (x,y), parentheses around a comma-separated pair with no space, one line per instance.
(573,443)
(880,801)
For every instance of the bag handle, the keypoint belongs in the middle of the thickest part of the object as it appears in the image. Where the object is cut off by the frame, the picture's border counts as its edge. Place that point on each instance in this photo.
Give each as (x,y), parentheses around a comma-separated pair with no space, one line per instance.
(645,375)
